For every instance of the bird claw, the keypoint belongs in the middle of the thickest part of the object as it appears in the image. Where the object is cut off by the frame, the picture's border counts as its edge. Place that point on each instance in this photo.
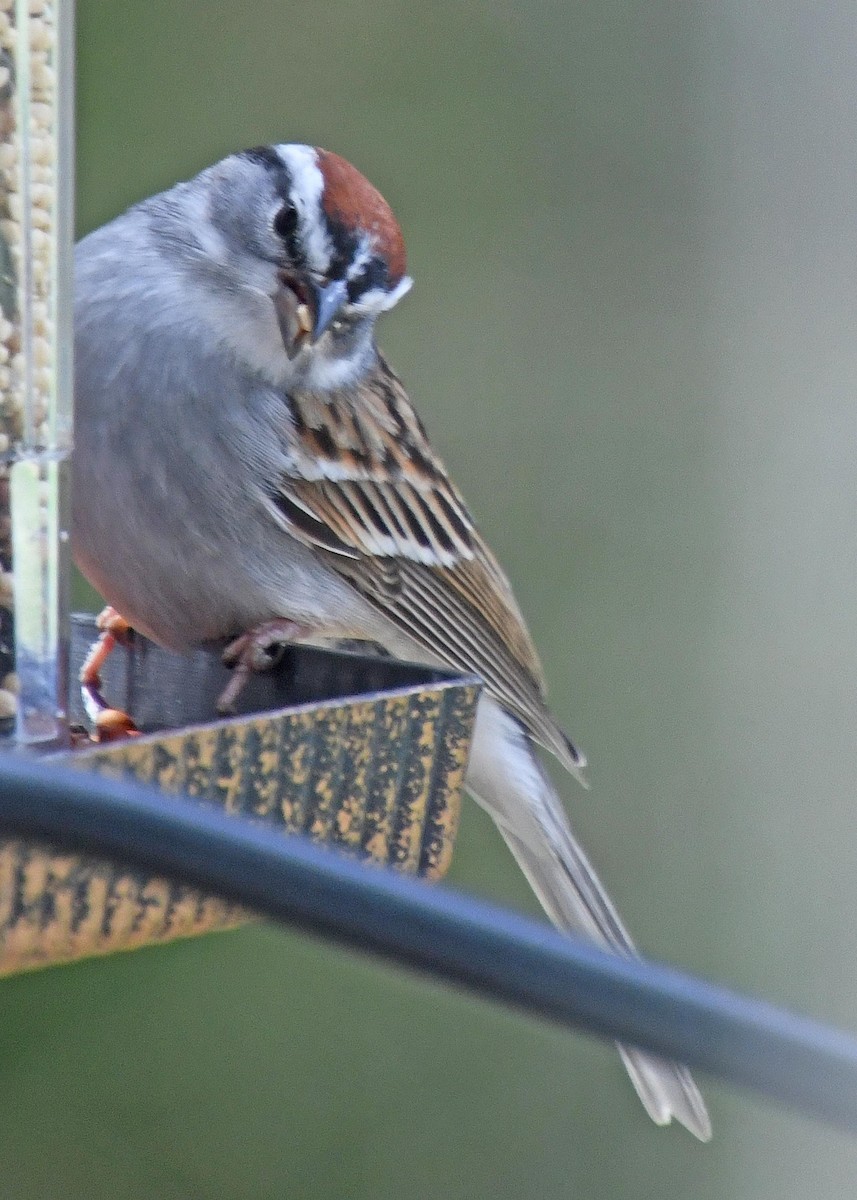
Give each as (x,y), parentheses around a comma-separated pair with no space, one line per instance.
(112,725)
(259,649)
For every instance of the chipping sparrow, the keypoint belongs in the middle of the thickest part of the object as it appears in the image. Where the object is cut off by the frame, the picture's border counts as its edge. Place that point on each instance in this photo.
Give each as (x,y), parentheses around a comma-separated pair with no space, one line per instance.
(245,458)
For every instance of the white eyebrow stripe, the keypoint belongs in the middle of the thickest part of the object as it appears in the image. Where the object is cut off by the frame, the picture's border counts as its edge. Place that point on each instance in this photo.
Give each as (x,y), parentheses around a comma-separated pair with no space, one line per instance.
(377,300)
(307,189)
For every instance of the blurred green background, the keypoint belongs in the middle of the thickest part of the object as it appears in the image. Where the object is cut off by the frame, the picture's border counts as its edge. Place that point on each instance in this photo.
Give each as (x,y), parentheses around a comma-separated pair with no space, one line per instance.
(632,229)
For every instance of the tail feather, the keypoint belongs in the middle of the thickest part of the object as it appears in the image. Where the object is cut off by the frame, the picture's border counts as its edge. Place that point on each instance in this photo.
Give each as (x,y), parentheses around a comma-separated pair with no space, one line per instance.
(667,1090)
(509,782)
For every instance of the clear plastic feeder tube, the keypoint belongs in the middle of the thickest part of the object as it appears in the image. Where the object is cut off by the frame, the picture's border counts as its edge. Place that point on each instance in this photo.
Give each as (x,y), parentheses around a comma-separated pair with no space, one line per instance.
(36,221)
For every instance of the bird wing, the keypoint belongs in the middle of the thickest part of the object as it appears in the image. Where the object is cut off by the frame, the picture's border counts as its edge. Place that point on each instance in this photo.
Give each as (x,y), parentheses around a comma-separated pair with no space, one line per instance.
(364,487)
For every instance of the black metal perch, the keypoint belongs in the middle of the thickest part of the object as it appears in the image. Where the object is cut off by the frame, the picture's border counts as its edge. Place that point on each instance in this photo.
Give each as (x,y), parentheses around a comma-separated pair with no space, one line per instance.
(485,949)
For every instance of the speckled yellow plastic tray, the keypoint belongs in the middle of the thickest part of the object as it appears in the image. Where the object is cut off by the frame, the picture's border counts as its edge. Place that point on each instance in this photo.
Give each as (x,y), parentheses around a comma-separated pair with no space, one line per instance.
(365,755)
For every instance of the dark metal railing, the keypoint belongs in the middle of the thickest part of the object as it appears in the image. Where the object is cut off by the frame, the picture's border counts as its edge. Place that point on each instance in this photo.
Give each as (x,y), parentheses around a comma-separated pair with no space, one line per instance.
(491,952)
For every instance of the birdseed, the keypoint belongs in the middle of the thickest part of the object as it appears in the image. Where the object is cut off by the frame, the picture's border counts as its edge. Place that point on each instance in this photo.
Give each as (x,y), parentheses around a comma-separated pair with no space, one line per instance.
(27,274)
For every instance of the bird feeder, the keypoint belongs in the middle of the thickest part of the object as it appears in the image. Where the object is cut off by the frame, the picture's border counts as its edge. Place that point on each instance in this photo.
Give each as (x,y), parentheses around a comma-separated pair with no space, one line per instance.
(36,174)
(363,755)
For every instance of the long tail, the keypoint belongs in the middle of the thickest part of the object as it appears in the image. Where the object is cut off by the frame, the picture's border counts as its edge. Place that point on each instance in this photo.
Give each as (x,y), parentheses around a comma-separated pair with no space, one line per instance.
(507,779)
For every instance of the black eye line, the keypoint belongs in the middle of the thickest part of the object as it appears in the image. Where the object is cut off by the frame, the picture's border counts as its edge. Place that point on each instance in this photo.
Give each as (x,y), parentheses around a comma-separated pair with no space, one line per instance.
(345,243)
(356,287)
(374,274)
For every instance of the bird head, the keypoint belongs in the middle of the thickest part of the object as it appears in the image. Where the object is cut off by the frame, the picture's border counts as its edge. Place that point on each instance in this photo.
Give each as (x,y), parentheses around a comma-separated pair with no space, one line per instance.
(303,252)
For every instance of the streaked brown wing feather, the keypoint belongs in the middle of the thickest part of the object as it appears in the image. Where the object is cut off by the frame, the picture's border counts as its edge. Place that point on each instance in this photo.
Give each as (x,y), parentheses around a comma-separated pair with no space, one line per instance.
(367,490)
(429,605)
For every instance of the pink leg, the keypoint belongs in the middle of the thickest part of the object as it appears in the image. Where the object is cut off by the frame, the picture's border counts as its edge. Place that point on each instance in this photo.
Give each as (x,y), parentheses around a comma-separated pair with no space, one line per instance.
(111,724)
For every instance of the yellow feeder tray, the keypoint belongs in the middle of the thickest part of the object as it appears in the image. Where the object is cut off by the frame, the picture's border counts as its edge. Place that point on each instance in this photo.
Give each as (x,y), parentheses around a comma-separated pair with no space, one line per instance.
(365,755)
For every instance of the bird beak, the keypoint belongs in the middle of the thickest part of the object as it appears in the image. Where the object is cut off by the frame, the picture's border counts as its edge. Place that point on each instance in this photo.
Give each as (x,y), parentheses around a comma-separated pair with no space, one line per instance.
(306,309)
(329,301)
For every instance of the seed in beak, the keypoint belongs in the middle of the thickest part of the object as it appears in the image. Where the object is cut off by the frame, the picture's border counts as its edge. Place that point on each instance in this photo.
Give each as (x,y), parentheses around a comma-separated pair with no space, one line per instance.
(304,320)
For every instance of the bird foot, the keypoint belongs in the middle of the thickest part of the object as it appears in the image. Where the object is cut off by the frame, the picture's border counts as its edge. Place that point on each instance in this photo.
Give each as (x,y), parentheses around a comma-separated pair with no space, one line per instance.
(260,649)
(110,724)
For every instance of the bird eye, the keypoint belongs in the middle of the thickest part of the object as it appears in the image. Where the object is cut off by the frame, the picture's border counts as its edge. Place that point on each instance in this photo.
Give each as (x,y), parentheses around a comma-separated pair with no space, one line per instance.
(286,221)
